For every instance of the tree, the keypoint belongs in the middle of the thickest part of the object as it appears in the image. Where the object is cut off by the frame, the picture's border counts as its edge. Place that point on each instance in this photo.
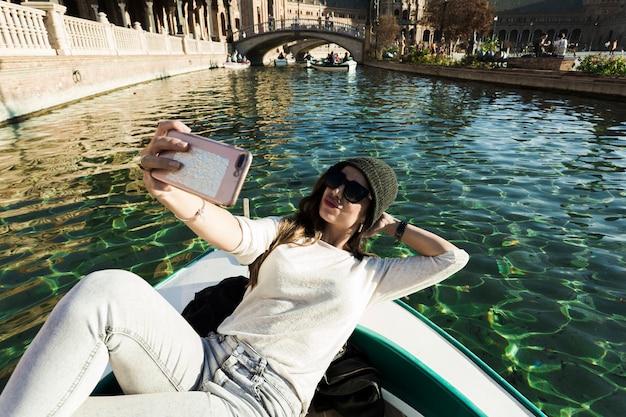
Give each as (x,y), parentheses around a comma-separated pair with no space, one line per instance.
(458,19)
(386,31)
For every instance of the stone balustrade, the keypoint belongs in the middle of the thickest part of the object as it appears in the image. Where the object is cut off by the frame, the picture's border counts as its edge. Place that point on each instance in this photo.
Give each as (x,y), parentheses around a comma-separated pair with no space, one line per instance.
(38,28)
(23,31)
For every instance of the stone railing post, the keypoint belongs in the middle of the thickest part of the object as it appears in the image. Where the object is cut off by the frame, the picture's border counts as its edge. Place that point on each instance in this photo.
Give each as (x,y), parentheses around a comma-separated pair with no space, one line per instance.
(108,31)
(54,24)
(142,37)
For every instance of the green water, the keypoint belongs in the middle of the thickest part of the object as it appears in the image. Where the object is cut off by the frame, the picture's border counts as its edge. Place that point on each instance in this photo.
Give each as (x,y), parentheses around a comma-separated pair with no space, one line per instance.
(531,184)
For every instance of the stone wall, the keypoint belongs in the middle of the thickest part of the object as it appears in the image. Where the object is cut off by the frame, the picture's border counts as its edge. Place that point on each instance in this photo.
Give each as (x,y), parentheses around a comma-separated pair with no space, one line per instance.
(542,63)
(48,59)
(599,86)
(32,85)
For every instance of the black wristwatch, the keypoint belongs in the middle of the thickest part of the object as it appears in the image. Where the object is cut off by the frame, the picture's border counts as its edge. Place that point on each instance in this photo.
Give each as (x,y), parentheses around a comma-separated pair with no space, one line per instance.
(400,231)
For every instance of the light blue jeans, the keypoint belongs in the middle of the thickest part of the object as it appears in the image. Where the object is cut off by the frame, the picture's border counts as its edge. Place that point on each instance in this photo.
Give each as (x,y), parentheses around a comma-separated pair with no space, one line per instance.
(115,316)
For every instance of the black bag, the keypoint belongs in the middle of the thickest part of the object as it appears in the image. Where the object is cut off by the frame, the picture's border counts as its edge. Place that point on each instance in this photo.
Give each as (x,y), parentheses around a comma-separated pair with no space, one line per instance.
(212,305)
(350,385)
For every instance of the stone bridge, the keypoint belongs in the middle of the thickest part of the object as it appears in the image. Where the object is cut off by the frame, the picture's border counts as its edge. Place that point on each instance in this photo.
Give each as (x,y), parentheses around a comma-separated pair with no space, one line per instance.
(301,35)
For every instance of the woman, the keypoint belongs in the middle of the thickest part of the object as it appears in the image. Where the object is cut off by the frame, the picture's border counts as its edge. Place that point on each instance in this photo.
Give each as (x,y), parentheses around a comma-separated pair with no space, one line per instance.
(310,281)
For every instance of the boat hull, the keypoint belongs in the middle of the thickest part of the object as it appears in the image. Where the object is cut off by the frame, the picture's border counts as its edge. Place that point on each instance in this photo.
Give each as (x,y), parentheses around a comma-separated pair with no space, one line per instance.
(424,371)
(343,67)
(236,65)
(278,62)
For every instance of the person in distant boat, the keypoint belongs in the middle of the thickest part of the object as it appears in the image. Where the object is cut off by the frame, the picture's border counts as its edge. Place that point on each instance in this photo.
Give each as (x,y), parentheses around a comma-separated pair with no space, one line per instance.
(330,58)
(310,282)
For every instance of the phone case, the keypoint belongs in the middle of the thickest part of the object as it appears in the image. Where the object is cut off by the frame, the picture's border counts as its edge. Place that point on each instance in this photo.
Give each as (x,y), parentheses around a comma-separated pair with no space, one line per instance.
(212,170)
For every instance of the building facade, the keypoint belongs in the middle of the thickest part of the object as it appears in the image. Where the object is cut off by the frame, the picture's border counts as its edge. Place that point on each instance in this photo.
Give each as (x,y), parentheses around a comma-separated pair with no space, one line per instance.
(587,24)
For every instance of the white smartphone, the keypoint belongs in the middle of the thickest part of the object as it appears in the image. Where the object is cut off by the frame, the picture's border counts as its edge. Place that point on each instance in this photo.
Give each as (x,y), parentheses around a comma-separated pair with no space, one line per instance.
(210,169)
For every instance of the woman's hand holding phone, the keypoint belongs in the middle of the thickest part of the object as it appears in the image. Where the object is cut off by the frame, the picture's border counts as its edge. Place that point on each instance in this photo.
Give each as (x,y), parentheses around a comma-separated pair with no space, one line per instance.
(150,160)
(212,170)
(217,226)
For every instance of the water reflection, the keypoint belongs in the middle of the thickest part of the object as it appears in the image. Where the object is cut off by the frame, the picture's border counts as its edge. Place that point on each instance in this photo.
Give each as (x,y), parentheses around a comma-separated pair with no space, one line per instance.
(532,185)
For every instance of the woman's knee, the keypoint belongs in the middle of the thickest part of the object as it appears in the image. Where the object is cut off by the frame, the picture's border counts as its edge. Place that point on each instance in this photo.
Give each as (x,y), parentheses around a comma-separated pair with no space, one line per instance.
(99,288)
(110,282)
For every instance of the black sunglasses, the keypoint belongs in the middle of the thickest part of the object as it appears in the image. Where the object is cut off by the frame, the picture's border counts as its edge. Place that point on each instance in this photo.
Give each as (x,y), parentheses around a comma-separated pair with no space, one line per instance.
(352,192)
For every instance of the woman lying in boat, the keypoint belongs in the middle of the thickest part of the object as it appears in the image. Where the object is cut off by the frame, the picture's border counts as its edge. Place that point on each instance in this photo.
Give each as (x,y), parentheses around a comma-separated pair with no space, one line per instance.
(310,282)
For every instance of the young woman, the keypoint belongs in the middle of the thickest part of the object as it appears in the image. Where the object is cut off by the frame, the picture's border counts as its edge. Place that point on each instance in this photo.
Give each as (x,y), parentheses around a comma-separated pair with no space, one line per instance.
(310,282)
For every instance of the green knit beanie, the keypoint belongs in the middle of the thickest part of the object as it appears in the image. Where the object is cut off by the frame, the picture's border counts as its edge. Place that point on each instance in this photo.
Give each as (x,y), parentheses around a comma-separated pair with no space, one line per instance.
(383,184)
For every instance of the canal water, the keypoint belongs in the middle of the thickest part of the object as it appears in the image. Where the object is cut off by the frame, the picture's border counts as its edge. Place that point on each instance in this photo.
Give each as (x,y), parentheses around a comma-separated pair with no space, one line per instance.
(531,184)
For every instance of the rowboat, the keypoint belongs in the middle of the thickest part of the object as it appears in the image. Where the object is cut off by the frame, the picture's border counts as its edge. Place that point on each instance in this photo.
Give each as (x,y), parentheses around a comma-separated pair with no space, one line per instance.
(342,67)
(425,372)
(236,65)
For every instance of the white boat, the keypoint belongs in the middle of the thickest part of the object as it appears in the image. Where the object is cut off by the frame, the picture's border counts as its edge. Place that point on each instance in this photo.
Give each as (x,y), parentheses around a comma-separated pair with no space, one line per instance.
(237,65)
(425,372)
(342,67)
(283,62)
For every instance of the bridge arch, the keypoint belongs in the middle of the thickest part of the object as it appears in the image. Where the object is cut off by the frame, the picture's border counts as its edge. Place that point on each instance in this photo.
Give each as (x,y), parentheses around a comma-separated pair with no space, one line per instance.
(256,41)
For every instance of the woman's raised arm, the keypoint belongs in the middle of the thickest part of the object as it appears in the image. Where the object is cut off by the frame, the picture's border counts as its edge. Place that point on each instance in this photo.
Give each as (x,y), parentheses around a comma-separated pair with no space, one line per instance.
(422,241)
(214,224)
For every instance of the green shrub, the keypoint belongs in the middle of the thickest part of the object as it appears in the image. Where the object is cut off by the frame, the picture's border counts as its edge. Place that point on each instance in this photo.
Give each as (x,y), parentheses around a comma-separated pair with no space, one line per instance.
(423,56)
(490,45)
(603,64)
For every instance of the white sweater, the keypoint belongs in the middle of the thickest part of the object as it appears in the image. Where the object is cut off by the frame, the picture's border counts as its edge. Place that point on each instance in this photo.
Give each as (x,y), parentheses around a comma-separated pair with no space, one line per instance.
(309,299)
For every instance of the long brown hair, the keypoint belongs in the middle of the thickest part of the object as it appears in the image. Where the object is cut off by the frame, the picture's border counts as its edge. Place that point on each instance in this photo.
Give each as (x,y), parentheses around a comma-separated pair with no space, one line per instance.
(305,228)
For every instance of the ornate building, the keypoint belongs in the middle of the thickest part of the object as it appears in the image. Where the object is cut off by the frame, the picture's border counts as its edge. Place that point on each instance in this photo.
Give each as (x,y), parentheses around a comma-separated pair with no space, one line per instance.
(587,23)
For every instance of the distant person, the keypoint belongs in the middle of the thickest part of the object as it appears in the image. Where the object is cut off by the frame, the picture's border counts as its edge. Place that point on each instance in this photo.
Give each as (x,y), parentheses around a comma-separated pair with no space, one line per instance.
(613,47)
(541,45)
(470,48)
(560,45)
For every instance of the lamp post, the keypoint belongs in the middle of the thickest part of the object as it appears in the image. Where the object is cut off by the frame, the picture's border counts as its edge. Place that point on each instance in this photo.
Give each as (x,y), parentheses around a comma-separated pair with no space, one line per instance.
(495,20)
(298,15)
(593,32)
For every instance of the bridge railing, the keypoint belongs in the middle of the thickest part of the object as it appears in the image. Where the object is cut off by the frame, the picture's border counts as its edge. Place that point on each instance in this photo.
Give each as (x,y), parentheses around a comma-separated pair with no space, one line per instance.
(319,25)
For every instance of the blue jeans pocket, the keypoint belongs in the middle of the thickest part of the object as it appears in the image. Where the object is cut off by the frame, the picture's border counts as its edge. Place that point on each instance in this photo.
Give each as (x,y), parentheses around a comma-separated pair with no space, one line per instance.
(243,373)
